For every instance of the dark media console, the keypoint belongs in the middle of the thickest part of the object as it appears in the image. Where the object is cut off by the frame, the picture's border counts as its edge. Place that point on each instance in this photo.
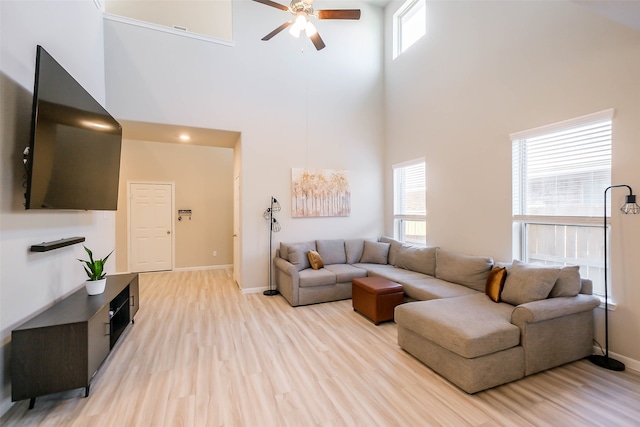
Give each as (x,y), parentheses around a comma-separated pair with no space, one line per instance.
(63,347)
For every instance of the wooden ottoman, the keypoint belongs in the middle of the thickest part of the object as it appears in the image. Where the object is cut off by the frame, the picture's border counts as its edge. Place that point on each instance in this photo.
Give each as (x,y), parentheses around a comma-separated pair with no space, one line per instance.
(376,298)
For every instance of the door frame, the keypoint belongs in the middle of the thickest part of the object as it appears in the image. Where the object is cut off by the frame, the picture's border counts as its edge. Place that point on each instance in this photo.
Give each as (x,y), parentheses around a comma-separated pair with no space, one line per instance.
(173,210)
(237,250)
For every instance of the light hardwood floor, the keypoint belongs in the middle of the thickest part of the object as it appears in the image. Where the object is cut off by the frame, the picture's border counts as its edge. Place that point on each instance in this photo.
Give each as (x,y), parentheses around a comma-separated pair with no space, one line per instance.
(203,354)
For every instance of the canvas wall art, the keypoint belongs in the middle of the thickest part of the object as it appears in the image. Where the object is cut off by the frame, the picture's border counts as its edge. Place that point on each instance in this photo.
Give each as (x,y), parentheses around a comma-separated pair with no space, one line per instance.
(320,192)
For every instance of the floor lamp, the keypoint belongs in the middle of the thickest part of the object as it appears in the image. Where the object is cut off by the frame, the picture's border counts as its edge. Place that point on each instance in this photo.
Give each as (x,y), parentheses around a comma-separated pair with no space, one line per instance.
(274,227)
(629,208)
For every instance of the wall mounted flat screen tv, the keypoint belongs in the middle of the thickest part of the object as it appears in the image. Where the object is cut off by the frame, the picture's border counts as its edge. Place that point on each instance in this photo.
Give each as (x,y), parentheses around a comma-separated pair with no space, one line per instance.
(73,161)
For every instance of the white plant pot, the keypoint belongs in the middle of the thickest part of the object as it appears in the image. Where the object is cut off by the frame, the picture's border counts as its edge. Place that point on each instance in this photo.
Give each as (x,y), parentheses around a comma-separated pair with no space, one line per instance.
(95,287)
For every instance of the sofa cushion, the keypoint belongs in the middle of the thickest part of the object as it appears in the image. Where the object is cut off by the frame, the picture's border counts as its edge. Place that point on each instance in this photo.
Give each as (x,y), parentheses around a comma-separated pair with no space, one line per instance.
(398,275)
(346,273)
(528,282)
(310,278)
(298,254)
(331,251)
(422,260)
(353,249)
(470,271)
(470,326)
(495,283)
(428,287)
(375,269)
(315,260)
(394,248)
(568,282)
(375,252)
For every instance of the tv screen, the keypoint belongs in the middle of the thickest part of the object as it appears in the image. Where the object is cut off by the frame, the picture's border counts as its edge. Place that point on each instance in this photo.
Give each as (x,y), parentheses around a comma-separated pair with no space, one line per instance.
(74,154)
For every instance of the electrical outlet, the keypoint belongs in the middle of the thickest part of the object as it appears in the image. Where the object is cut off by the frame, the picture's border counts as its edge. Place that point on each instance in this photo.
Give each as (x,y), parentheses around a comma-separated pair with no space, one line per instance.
(215,253)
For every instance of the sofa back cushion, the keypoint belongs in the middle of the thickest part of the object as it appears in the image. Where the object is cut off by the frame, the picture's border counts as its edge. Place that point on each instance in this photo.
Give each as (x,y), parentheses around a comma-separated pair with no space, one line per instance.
(528,282)
(394,248)
(298,254)
(353,249)
(375,252)
(470,271)
(568,282)
(332,251)
(422,260)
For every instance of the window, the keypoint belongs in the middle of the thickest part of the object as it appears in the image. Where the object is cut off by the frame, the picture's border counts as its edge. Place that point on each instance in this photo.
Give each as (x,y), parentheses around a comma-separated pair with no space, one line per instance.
(559,176)
(409,25)
(410,206)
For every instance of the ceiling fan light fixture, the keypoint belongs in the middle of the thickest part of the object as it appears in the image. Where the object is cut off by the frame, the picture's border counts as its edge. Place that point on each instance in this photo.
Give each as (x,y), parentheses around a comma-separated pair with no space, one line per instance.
(299,25)
(302,10)
(310,29)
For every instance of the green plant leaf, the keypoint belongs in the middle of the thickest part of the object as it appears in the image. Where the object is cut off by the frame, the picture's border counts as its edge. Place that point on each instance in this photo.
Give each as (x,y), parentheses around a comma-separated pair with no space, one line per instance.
(94,268)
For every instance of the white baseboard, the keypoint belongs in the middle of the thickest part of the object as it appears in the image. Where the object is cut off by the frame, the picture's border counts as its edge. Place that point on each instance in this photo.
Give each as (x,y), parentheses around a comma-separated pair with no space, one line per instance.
(254,290)
(204,267)
(629,363)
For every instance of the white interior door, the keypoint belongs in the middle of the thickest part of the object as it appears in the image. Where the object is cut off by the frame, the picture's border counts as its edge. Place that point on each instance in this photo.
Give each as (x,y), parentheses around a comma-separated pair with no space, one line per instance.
(150,227)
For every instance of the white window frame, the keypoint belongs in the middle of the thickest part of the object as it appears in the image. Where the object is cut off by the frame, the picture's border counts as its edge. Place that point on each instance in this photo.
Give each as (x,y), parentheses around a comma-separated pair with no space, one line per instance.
(564,224)
(400,218)
(406,10)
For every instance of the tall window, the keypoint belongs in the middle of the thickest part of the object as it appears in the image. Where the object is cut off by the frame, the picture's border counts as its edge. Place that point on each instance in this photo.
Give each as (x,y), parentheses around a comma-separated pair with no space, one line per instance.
(560,173)
(409,25)
(410,206)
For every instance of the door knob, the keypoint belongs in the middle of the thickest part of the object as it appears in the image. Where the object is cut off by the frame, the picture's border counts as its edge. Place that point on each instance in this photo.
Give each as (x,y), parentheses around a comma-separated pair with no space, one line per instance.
(168,232)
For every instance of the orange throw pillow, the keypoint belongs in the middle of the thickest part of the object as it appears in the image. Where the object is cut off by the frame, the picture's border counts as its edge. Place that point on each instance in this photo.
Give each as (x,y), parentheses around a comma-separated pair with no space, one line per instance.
(495,283)
(315,260)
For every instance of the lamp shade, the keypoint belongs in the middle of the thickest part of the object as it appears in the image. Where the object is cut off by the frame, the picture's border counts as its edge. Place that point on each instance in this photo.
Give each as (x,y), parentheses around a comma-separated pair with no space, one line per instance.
(630,207)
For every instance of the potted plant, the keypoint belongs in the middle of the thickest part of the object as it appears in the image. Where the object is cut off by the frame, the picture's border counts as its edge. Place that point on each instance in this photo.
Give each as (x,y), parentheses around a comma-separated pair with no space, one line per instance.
(95,270)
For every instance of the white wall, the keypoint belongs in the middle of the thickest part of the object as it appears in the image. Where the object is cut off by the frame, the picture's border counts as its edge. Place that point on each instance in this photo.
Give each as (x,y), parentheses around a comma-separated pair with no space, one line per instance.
(261,90)
(487,69)
(72,32)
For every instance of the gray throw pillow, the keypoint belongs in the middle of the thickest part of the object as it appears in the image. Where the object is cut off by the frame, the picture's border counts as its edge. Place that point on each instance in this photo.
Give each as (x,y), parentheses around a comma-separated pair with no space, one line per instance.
(298,254)
(393,249)
(568,283)
(375,252)
(422,260)
(528,282)
(284,250)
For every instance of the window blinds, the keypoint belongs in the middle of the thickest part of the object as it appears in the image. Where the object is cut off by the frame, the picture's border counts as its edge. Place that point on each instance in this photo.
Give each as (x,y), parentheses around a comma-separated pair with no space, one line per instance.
(410,189)
(562,172)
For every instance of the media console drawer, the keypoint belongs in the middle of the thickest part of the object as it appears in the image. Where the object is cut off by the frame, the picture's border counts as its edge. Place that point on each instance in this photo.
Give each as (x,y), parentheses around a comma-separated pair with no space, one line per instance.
(63,347)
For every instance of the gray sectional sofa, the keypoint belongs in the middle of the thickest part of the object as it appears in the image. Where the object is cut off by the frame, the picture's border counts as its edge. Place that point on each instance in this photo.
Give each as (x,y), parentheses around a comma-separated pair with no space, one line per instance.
(544,318)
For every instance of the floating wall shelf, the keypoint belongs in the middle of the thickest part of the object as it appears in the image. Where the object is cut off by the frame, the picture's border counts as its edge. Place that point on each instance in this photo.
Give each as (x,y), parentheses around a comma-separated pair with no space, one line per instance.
(56,244)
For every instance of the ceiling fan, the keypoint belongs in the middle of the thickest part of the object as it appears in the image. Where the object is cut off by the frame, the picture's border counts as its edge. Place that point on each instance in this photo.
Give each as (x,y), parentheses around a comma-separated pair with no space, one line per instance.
(301,11)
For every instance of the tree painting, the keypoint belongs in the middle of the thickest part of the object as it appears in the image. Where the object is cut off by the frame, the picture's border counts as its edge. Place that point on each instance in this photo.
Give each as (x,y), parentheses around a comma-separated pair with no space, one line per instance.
(320,192)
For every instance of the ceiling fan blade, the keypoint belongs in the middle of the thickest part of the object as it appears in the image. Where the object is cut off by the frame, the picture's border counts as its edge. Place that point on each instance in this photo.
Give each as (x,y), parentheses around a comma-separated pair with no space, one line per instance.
(277,30)
(317,41)
(338,14)
(273,4)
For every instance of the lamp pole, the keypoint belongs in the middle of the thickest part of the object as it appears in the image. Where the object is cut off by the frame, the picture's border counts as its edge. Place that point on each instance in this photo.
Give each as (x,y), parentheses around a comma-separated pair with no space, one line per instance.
(605,361)
(268,214)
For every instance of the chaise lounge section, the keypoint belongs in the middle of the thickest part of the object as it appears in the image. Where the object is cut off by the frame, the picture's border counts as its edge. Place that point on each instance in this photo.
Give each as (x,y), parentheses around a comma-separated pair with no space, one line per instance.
(476,323)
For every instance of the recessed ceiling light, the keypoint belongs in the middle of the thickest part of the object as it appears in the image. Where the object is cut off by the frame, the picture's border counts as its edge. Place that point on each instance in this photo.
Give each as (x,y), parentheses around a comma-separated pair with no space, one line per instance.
(184,137)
